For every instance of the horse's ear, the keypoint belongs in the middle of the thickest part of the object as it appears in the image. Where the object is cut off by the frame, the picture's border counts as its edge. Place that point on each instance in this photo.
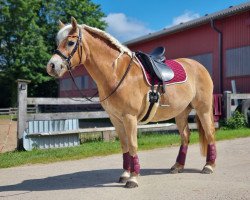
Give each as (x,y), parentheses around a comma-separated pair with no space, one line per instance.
(73,23)
(61,25)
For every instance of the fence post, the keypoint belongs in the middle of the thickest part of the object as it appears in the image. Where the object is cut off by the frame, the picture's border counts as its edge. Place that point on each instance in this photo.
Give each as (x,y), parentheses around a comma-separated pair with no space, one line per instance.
(227,104)
(22,88)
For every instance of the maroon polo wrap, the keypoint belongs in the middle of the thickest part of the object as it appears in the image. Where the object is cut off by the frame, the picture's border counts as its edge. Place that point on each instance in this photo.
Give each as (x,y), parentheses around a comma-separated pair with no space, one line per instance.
(126,161)
(181,158)
(211,153)
(134,164)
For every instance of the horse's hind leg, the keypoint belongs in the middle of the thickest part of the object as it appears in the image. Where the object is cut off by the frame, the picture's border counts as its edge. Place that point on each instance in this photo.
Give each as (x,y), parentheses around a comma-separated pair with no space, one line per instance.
(120,130)
(207,138)
(182,124)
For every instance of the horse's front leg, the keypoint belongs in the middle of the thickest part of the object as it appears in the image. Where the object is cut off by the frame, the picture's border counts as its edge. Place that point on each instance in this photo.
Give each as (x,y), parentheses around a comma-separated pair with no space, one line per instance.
(120,130)
(130,125)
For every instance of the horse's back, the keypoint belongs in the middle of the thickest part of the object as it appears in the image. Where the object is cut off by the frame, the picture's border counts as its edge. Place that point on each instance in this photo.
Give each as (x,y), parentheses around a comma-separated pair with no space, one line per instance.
(197,72)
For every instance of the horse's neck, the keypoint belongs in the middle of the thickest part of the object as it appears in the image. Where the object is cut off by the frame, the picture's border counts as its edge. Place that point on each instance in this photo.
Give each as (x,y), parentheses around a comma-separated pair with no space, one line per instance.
(100,62)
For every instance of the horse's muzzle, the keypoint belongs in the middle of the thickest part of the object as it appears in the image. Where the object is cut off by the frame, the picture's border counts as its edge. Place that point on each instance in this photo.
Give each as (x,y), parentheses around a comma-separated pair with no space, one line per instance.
(55,68)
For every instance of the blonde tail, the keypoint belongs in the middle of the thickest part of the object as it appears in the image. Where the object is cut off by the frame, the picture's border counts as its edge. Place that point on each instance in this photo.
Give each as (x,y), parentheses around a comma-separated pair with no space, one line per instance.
(202,137)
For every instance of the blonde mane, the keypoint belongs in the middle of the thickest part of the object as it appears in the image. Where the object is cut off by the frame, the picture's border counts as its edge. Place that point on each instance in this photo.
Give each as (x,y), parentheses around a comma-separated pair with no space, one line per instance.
(109,37)
(63,33)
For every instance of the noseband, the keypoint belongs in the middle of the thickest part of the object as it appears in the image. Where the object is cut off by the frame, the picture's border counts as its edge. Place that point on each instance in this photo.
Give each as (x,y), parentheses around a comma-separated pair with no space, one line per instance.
(67,59)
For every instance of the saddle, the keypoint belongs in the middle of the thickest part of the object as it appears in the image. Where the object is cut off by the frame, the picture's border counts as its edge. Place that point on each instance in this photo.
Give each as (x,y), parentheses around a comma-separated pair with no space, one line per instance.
(158,54)
(154,62)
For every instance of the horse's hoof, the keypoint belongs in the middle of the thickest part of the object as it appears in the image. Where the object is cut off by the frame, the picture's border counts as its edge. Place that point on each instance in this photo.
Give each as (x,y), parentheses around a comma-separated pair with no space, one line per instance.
(176,170)
(207,170)
(123,179)
(131,184)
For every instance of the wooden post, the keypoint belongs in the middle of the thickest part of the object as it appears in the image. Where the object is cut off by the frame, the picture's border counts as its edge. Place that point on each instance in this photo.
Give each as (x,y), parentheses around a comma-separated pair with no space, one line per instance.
(22,88)
(108,135)
(227,104)
(236,103)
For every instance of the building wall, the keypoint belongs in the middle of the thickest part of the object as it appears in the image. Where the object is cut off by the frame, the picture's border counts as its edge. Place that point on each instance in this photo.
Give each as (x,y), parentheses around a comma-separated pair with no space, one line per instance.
(84,82)
(191,43)
(236,38)
(202,42)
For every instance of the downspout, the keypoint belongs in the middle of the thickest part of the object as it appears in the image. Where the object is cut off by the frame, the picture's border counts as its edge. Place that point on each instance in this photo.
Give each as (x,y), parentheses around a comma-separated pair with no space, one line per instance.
(220,41)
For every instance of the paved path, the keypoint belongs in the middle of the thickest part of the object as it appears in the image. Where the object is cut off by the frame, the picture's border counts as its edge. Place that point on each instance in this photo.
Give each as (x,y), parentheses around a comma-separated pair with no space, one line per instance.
(8,135)
(95,178)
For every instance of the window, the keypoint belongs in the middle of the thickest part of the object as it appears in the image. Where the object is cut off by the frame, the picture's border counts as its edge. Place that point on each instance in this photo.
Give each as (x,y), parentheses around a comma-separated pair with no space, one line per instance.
(65,84)
(78,82)
(82,82)
(238,61)
(93,84)
(206,60)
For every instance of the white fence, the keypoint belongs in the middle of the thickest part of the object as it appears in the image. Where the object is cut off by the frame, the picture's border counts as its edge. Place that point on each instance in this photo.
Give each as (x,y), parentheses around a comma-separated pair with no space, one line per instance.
(230,106)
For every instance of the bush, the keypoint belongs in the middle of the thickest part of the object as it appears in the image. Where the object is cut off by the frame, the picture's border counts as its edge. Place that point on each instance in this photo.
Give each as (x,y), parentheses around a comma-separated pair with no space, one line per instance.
(236,121)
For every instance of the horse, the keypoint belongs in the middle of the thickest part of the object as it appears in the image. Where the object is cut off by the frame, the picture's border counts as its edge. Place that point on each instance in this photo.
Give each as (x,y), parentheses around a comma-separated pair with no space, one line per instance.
(123,92)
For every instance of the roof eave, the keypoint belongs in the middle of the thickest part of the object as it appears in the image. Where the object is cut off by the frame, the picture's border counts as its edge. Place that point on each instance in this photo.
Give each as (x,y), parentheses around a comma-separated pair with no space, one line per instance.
(191,24)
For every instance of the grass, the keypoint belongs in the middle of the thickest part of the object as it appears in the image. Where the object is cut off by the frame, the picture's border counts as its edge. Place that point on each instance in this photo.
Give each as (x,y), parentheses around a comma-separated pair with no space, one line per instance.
(13,117)
(99,148)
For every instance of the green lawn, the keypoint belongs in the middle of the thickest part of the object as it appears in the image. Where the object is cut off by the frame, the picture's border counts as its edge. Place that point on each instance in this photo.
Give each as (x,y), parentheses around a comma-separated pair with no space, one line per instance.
(100,148)
(13,117)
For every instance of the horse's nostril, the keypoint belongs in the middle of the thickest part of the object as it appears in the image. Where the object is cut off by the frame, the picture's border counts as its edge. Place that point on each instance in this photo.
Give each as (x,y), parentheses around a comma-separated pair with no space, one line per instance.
(52,65)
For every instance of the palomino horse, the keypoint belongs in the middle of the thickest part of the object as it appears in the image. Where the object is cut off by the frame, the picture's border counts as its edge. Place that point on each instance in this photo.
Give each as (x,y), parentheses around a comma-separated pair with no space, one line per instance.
(107,61)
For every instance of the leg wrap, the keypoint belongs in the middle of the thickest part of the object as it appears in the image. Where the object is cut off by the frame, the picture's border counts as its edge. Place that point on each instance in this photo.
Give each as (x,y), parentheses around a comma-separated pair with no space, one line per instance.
(126,161)
(134,164)
(211,153)
(181,158)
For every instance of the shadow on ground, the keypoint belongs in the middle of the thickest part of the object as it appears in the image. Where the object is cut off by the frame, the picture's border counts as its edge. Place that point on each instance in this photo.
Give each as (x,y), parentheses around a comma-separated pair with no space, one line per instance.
(84,179)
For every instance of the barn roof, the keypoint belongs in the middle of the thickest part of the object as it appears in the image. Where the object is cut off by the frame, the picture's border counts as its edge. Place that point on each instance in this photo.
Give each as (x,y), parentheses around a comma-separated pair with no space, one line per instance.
(193,23)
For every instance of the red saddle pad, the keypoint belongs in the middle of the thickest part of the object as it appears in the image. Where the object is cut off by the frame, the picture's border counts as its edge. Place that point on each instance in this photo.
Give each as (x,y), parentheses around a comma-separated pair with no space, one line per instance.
(180,75)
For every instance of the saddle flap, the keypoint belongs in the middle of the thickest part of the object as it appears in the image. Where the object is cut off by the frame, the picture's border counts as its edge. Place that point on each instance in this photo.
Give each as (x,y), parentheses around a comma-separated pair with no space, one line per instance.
(156,67)
(162,71)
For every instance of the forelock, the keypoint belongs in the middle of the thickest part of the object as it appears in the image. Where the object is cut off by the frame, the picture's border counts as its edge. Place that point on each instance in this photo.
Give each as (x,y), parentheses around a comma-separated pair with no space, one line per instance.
(63,33)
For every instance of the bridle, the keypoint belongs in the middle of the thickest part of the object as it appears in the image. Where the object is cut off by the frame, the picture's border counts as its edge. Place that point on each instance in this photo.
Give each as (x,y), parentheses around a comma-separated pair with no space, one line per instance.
(69,68)
(67,59)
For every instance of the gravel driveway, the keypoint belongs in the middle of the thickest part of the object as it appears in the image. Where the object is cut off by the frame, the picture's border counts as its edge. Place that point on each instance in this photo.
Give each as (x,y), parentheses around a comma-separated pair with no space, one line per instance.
(96,178)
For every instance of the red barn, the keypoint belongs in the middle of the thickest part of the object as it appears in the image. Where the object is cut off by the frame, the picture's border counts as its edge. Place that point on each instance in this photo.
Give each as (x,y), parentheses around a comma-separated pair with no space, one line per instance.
(83,80)
(220,41)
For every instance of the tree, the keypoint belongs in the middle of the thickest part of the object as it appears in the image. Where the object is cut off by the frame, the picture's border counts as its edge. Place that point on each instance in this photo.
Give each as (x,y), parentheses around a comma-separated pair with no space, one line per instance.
(27,40)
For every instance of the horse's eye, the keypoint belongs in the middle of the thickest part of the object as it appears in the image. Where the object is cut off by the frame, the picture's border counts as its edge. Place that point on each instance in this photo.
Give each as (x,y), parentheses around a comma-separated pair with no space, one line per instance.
(70,43)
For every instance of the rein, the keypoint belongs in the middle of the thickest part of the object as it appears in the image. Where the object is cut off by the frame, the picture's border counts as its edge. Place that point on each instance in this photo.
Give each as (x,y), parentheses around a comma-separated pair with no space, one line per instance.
(69,68)
(122,79)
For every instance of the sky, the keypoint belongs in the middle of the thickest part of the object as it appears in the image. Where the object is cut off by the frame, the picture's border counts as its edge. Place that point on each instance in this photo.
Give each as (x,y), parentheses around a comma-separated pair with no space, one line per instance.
(130,19)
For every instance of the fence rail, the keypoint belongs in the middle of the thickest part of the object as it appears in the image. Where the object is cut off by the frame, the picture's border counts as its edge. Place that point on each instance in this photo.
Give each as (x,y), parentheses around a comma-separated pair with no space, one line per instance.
(229,108)
(68,115)
(13,111)
(61,101)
